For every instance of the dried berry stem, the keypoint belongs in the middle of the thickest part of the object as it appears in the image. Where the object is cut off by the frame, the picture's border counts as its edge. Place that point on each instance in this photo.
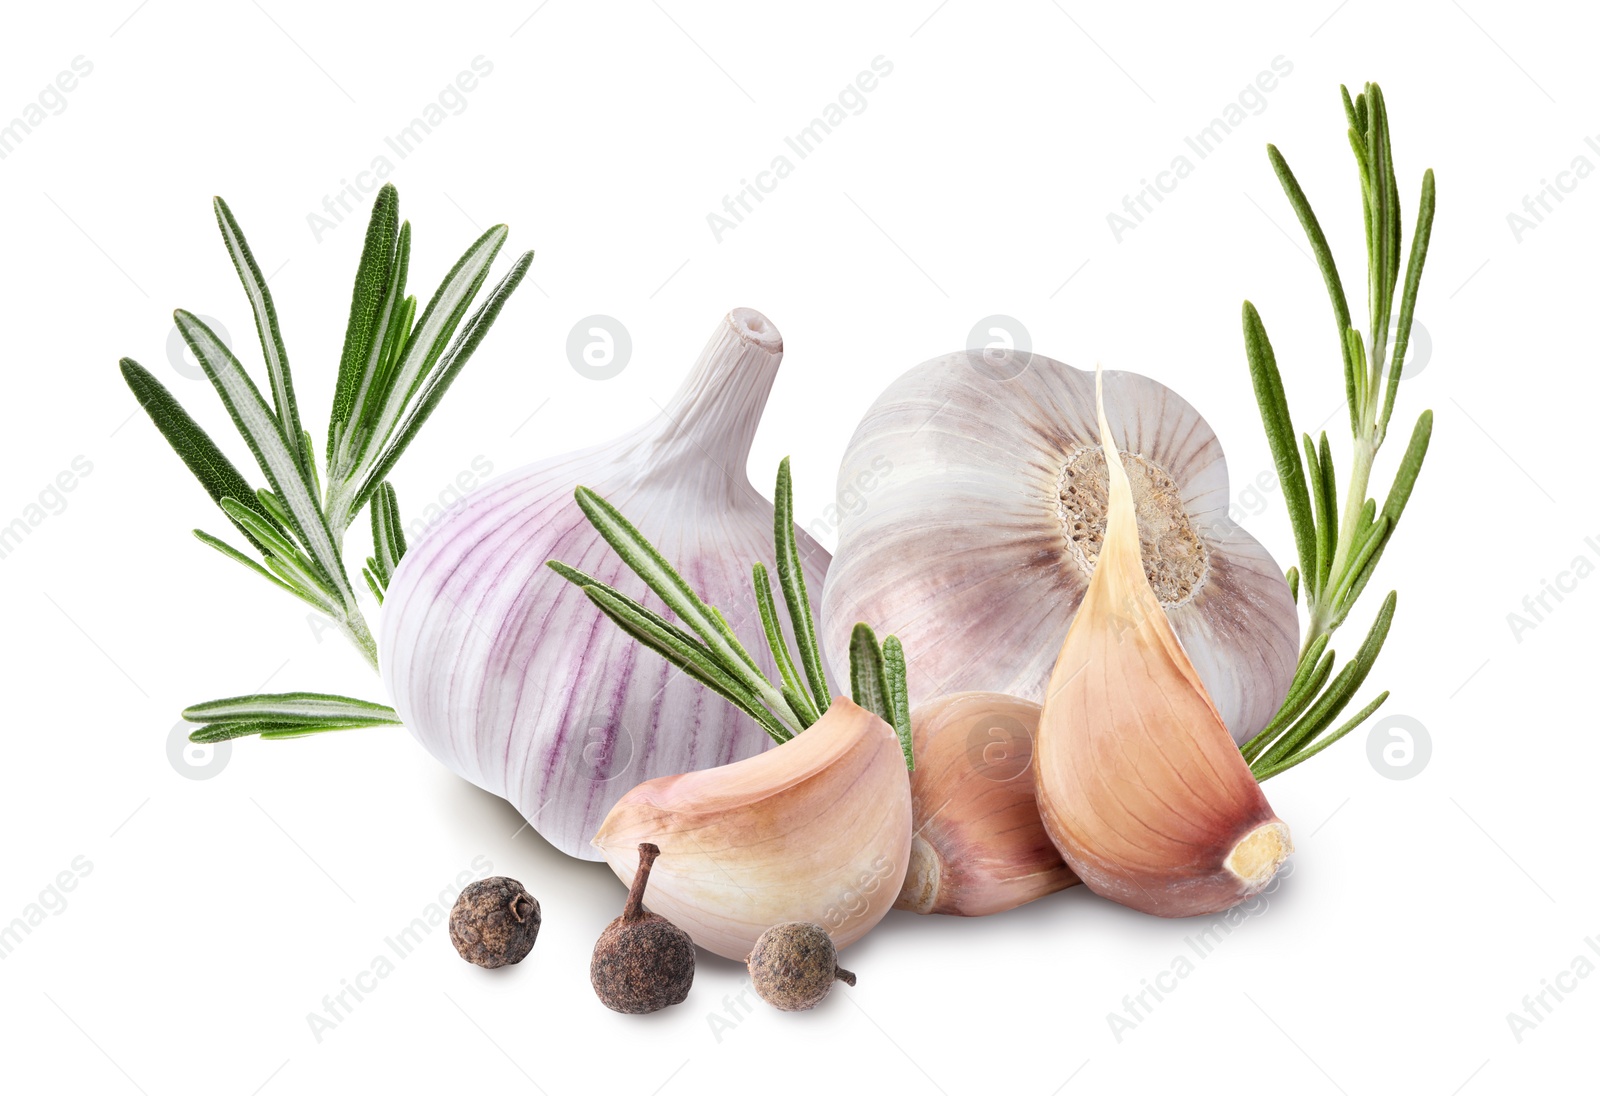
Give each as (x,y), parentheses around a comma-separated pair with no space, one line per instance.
(634,910)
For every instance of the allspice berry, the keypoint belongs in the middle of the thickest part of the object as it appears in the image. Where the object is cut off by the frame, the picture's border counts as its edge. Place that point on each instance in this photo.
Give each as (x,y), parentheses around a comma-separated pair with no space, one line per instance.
(794,965)
(642,962)
(494,922)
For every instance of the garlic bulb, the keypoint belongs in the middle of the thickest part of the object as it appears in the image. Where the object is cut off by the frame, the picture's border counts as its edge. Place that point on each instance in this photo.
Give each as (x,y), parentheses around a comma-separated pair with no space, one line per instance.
(1139,784)
(978,845)
(976,545)
(515,681)
(817,829)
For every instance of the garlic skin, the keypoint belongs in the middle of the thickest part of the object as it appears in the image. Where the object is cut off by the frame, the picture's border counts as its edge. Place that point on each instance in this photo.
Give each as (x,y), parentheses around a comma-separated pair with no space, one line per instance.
(977,547)
(1139,784)
(978,845)
(817,829)
(513,679)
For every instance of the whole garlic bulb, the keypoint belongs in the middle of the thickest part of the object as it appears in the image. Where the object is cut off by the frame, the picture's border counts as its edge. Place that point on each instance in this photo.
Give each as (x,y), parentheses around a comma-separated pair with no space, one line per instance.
(512,678)
(977,546)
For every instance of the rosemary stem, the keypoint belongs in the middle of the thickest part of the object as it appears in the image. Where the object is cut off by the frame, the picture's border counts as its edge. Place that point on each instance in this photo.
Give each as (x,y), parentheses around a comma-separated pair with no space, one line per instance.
(1355,499)
(356,630)
(1321,609)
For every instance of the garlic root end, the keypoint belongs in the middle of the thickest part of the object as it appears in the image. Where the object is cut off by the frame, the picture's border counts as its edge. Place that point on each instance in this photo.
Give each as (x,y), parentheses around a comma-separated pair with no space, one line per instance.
(1259,854)
(920,891)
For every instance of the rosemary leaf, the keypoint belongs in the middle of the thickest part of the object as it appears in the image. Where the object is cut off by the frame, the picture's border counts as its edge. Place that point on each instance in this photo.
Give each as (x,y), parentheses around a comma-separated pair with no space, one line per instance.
(794,691)
(388,536)
(266,317)
(1361,561)
(316,601)
(193,445)
(269,503)
(867,686)
(1326,740)
(894,673)
(269,729)
(1405,477)
(277,734)
(1323,512)
(792,580)
(280,463)
(1310,677)
(275,542)
(645,627)
(376,370)
(1323,255)
(308,452)
(291,707)
(388,438)
(643,559)
(1408,298)
(1328,490)
(373,274)
(449,366)
(731,680)
(1338,694)
(1280,437)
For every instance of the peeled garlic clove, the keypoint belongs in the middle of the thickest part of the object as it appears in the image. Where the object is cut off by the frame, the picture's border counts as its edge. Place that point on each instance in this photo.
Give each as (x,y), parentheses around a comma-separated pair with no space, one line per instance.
(978,844)
(817,829)
(981,513)
(512,678)
(1139,784)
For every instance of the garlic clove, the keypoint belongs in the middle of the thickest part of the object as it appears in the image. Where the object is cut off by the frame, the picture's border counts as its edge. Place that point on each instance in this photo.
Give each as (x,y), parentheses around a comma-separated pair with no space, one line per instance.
(1140,785)
(982,507)
(817,829)
(513,679)
(978,845)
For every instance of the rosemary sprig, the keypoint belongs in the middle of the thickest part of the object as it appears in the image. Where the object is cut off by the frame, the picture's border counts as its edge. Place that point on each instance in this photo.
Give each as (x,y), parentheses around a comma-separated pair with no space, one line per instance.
(284,715)
(392,374)
(1338,553)
(707,649)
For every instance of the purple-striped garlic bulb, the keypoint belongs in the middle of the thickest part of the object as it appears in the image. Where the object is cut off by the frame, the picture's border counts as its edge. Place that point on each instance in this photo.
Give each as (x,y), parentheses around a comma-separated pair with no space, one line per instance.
(509,675)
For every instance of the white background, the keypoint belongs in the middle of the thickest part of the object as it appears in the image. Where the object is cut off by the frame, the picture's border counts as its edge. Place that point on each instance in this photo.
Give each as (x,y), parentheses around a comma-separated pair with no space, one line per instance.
(218,913)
